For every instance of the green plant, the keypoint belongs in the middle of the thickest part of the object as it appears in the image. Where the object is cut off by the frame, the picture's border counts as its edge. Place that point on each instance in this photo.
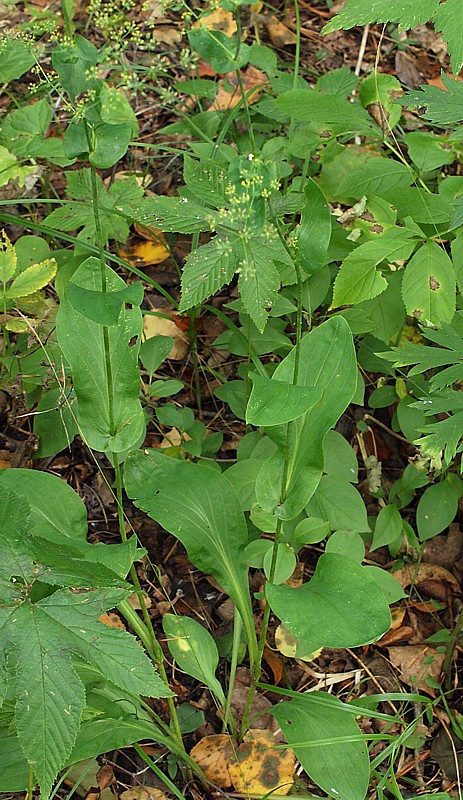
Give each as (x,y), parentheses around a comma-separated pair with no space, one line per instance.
(258,183)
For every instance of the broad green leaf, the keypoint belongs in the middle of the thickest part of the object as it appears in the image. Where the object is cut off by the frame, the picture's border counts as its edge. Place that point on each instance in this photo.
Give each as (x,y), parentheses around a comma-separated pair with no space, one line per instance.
(205,179)
(346,543)
(389,585)
(387,309)
(54,423)
(342,81)
(314,229)
(443,106)
(274,402)
(423,207)
(284,566)
(381,89)
(327,362)
(14,522)
(11,169)
(408,13)
(339,459)
(32,279)
(388,527)
(83,344)
(341,606)
(428,286)
(438,506)
(194,650)
(154,351)
(14,769)
(428,151)
(218,49)
(182,497)
(340,503)
(15,59)
(448,20)
(327,111)
(8,259)
(31,250)
(327,742)
(116,109)
(102,307)
(410,418)
(109,144)
(63,520)
(376,177)
(24,125)
(206,270)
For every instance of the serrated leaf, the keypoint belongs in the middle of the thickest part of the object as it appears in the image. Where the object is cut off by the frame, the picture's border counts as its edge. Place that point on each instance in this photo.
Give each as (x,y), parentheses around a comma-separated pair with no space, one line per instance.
(408,13)
(428,286)
(377,177)
(443,107)
(206,270)
(259,279)
(328,111)
(194,650)
(50,698)
(180,215)
(448,20)
(32,279)
(8,259)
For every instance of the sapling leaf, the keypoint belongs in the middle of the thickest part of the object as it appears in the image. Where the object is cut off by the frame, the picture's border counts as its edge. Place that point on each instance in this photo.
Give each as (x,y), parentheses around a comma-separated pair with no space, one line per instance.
(326,740)
(275,402)
(388,527)
(107,428)
(183,498)
(194,650)
(342,606)
(327,363)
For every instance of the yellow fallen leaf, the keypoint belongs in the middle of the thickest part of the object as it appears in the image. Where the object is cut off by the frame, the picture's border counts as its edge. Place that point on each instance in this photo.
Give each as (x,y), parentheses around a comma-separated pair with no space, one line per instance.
(212,754)
(161,326)
(279,34)
(143,793)
(258,767)
(252,78)
(218,20)
(145,253)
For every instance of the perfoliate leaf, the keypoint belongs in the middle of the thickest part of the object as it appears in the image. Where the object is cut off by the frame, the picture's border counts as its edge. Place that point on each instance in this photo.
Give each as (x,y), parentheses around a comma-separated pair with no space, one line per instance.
(408,13)
(25,126)
(182,497)
(275,402)
(107,428)
(194,650)
(318,611)
(109,144)
(32,279)
(103,307)
(326,740)
(428,286)
(206,270)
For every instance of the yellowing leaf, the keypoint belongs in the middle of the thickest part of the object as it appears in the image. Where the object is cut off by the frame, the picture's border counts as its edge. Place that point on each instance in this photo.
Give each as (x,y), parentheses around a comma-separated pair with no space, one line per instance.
(7,259)
(212,754)
(161,326)
(19,325)
(218,20)
(33,278)
(143,793)
(258,767)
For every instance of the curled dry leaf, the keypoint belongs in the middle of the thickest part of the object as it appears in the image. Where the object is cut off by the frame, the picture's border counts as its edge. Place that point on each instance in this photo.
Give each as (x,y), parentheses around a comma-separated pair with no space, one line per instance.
(279,34)
(417,662)
(258,768)
(162,326)
(252,79)
(432,579)
(212,754)
(146,253)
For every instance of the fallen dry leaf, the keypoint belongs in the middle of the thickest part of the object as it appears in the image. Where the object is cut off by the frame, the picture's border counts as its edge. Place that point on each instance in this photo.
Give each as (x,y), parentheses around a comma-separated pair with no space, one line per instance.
(275,663)
(258,768)
(279,34)
(218,20)
(252,78)
(415,663)
(161,326)
(431,579)
(105,777)
(143,793)
(112,620)
(146,253)
(212,754)
(260,703)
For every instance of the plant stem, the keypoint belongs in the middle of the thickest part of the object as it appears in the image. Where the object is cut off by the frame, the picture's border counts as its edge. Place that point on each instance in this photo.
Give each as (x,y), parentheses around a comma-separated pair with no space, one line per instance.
(447,665)
(237,629)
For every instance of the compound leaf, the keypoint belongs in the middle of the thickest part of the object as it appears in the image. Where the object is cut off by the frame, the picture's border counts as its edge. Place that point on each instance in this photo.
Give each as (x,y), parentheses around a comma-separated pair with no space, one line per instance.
(408,13)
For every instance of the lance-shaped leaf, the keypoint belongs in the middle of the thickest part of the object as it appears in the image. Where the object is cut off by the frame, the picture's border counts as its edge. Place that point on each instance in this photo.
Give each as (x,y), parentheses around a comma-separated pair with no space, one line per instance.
(314,230)
(327,742)
(328,364)
(277,402)
(201,508)
(110,415)
(194,650)
(342,606)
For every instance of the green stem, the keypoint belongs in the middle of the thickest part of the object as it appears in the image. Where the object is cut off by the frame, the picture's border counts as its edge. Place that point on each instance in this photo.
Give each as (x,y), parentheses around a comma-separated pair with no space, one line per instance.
(30,785)
(447,665)
(237,630)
